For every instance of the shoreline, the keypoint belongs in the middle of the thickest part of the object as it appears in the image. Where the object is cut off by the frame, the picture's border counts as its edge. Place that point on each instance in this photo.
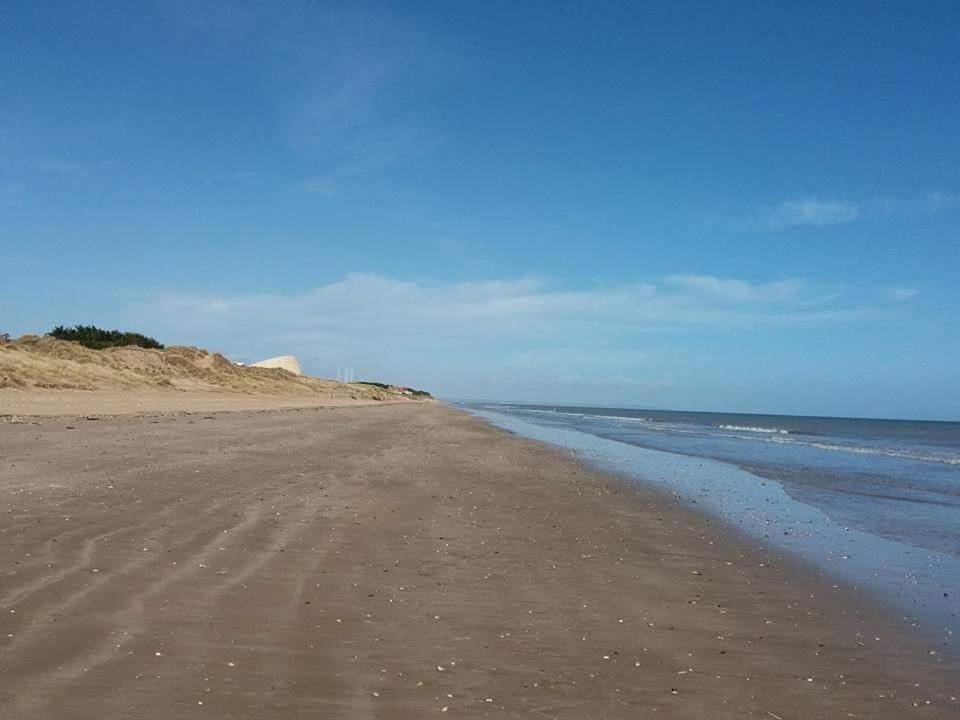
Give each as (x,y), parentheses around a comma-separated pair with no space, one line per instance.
(760,510)
(399,562)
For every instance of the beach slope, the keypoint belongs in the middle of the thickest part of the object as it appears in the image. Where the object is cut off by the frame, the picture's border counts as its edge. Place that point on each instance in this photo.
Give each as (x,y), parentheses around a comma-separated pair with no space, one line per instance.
(402,561)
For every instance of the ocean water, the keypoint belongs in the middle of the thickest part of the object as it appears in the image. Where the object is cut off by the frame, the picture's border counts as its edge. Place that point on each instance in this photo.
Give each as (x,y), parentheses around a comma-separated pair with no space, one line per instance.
(873,502)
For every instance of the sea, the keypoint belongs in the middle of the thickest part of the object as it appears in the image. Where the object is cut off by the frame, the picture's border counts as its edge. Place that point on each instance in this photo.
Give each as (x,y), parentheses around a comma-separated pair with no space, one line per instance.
(872,503)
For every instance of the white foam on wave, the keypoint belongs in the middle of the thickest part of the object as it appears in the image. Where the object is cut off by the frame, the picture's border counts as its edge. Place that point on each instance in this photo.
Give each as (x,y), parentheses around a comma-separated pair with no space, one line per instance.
(767,434)
(947,458)
(622,418)
(749,428)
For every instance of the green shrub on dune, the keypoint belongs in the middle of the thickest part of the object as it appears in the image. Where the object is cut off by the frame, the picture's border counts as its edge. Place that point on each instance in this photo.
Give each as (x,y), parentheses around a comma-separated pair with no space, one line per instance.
(97,339)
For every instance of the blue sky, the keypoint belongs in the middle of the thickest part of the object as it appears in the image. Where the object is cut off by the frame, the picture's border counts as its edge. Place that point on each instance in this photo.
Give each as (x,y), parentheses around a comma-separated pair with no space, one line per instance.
(705,205)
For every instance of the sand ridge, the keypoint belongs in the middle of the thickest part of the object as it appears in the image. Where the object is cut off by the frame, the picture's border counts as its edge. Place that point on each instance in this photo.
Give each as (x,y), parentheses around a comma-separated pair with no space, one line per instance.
(34,369)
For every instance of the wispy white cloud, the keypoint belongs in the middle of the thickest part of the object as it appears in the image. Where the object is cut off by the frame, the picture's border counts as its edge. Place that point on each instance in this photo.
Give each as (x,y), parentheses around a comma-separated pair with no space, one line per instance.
(350,84)
(357,90)
(810,212)
(23,171)
(523,327)
(67,167)
(736,291)
(820,213)
(938,201)
(901,294)
(323,185)
(464,251)
(527,304)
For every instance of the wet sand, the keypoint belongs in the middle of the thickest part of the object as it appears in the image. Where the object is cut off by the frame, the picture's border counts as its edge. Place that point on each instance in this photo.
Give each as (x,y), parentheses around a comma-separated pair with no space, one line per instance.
(403,561)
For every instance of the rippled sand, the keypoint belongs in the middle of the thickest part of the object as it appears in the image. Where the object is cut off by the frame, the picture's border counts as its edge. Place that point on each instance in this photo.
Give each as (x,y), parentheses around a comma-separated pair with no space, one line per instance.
(401,561)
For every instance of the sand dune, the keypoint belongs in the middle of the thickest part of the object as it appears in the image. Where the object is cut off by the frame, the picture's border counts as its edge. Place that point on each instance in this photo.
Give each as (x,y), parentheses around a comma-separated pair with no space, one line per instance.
(33,364)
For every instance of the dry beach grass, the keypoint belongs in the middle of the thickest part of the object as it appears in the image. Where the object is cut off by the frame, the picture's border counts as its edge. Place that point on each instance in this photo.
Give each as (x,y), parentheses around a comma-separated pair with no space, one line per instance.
(45,376)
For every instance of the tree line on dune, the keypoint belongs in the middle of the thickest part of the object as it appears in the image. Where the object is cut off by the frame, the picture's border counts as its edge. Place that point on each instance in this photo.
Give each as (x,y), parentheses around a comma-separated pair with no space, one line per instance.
(385,386)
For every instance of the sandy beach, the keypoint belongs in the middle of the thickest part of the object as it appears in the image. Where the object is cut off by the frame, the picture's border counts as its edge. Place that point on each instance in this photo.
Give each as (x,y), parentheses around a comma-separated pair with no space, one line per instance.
(111,403)
(402,561)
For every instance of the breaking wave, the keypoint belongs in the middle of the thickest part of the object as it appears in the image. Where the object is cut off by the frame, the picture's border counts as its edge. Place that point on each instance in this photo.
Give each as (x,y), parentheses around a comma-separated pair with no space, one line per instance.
(747,428)
(947,458)
(759,433)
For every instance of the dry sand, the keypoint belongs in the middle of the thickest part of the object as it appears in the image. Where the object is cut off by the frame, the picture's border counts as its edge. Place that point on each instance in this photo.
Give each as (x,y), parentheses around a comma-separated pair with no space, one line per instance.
(403,561)
(20,405)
